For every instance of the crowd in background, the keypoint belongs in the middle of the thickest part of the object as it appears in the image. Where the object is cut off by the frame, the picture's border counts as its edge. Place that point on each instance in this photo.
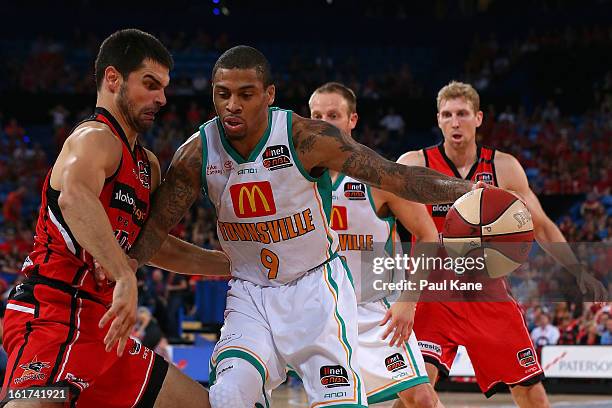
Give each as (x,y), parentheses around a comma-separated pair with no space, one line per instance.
(563,152)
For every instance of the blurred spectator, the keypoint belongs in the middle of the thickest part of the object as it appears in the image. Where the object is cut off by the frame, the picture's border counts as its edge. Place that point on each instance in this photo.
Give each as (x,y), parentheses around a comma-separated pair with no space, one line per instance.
(12,207)
(606,337)
(393,123)
(59,114)
(568,329)
(176,289)
(545,333)
(149,333)
(590,336)
(13,130)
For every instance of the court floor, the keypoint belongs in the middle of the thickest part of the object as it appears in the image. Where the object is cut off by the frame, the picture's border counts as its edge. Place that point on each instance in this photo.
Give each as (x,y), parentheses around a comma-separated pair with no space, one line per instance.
(288,397)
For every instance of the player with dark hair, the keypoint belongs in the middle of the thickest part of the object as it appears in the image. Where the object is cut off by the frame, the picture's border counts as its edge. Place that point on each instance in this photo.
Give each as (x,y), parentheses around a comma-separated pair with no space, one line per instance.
(489,323)
(291,301)
(95,200)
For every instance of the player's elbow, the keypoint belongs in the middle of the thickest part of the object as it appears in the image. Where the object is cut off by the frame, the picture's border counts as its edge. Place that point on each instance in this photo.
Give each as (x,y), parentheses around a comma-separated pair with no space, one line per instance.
(67,200)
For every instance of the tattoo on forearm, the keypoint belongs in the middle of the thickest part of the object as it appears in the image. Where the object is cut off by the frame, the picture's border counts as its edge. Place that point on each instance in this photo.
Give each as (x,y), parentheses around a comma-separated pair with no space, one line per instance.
(322,142)
(173,198)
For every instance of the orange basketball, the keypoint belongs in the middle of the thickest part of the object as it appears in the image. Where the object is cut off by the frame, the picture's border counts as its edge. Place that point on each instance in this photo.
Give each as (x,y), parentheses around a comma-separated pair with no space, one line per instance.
(491,223)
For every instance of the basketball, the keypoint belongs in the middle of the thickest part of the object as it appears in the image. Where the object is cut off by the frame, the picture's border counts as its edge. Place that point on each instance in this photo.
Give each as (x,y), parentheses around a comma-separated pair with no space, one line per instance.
(490,223)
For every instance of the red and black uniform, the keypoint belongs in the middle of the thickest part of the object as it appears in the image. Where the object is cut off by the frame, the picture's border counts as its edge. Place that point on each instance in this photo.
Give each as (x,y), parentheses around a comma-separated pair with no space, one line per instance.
(489,323)
(51,329)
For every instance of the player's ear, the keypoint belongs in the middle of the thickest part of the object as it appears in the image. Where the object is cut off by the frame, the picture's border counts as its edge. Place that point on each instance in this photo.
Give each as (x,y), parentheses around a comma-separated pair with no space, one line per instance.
(479,116)
(353,120)
(438,118)
(113,78)
(271,93)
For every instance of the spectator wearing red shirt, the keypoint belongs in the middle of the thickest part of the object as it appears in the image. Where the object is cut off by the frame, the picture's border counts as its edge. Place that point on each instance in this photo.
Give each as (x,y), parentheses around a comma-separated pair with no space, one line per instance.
(12,206)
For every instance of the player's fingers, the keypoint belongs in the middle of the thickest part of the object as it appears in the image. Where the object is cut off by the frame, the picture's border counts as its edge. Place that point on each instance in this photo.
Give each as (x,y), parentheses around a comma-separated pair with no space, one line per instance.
(386,318)
(121,345)
(110,313)
(390,327)
(113,333)
(396,337)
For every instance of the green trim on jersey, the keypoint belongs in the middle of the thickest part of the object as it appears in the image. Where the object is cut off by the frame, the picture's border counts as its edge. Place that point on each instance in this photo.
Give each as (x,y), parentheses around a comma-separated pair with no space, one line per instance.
(391,393)
(344,340)
(204,156)
(348,271)
(262,142)
(338,181)
(233,353)
(324,188)
(391,220)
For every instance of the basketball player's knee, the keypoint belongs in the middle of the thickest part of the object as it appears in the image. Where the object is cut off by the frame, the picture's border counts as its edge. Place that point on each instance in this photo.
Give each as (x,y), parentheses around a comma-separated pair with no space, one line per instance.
(531,396)
(421,396)
(238,385)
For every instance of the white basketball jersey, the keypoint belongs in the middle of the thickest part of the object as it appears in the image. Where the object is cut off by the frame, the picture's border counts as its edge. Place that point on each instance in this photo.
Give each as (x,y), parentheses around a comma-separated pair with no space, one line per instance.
(362,236)
(273,217)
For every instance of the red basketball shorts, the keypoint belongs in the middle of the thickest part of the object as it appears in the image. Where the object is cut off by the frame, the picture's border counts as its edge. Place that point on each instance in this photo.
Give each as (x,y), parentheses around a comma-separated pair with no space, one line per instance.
(494,334)
(52,339)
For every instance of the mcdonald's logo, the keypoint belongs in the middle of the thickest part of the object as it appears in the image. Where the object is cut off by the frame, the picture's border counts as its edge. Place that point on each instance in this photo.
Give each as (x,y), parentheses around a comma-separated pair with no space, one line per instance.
(253,199)
(339,220)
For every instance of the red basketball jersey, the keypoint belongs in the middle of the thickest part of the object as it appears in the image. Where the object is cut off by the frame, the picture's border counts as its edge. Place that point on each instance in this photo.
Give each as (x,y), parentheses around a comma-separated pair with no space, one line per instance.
(483,169)
(125,197)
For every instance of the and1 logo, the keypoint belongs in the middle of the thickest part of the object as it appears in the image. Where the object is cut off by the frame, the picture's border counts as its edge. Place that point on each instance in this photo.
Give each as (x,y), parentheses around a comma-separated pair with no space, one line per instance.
(276,157)
(526,357)
(334,376)
(486,177)
(339,219)
(355,191)
(395,362)
(253,199)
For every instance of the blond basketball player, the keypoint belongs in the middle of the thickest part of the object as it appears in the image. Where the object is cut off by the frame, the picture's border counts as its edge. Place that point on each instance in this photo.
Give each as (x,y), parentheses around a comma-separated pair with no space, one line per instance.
(493,333)
(291,301)
(364,218)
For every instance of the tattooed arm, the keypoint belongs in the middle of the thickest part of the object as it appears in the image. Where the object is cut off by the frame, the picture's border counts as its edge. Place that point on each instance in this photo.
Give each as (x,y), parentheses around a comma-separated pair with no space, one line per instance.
(321,145)
(175,195)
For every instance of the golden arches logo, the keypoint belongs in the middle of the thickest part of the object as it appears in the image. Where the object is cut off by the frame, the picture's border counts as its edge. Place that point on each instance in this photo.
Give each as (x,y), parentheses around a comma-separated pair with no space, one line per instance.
(338,219)
(250,193)
(253,199)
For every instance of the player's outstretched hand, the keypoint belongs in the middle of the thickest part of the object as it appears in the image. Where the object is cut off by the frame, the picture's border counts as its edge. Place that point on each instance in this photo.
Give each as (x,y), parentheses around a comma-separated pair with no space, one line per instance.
(400,319)
(122,311)
(587,284)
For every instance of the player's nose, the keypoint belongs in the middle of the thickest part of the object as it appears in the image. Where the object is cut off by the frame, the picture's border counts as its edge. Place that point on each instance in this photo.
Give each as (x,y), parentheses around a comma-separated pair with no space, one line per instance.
(160,98)
(233,105)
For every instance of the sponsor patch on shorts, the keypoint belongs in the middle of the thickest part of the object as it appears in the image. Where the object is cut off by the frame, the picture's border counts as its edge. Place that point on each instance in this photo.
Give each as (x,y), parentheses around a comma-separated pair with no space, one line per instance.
(395,362)
(526,357)
(334,376)
(431,347)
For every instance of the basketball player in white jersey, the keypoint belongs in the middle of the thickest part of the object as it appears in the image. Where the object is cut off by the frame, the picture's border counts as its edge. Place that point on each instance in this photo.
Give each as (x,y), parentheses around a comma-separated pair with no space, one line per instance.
(364,217)
(493,332)
(291,301)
